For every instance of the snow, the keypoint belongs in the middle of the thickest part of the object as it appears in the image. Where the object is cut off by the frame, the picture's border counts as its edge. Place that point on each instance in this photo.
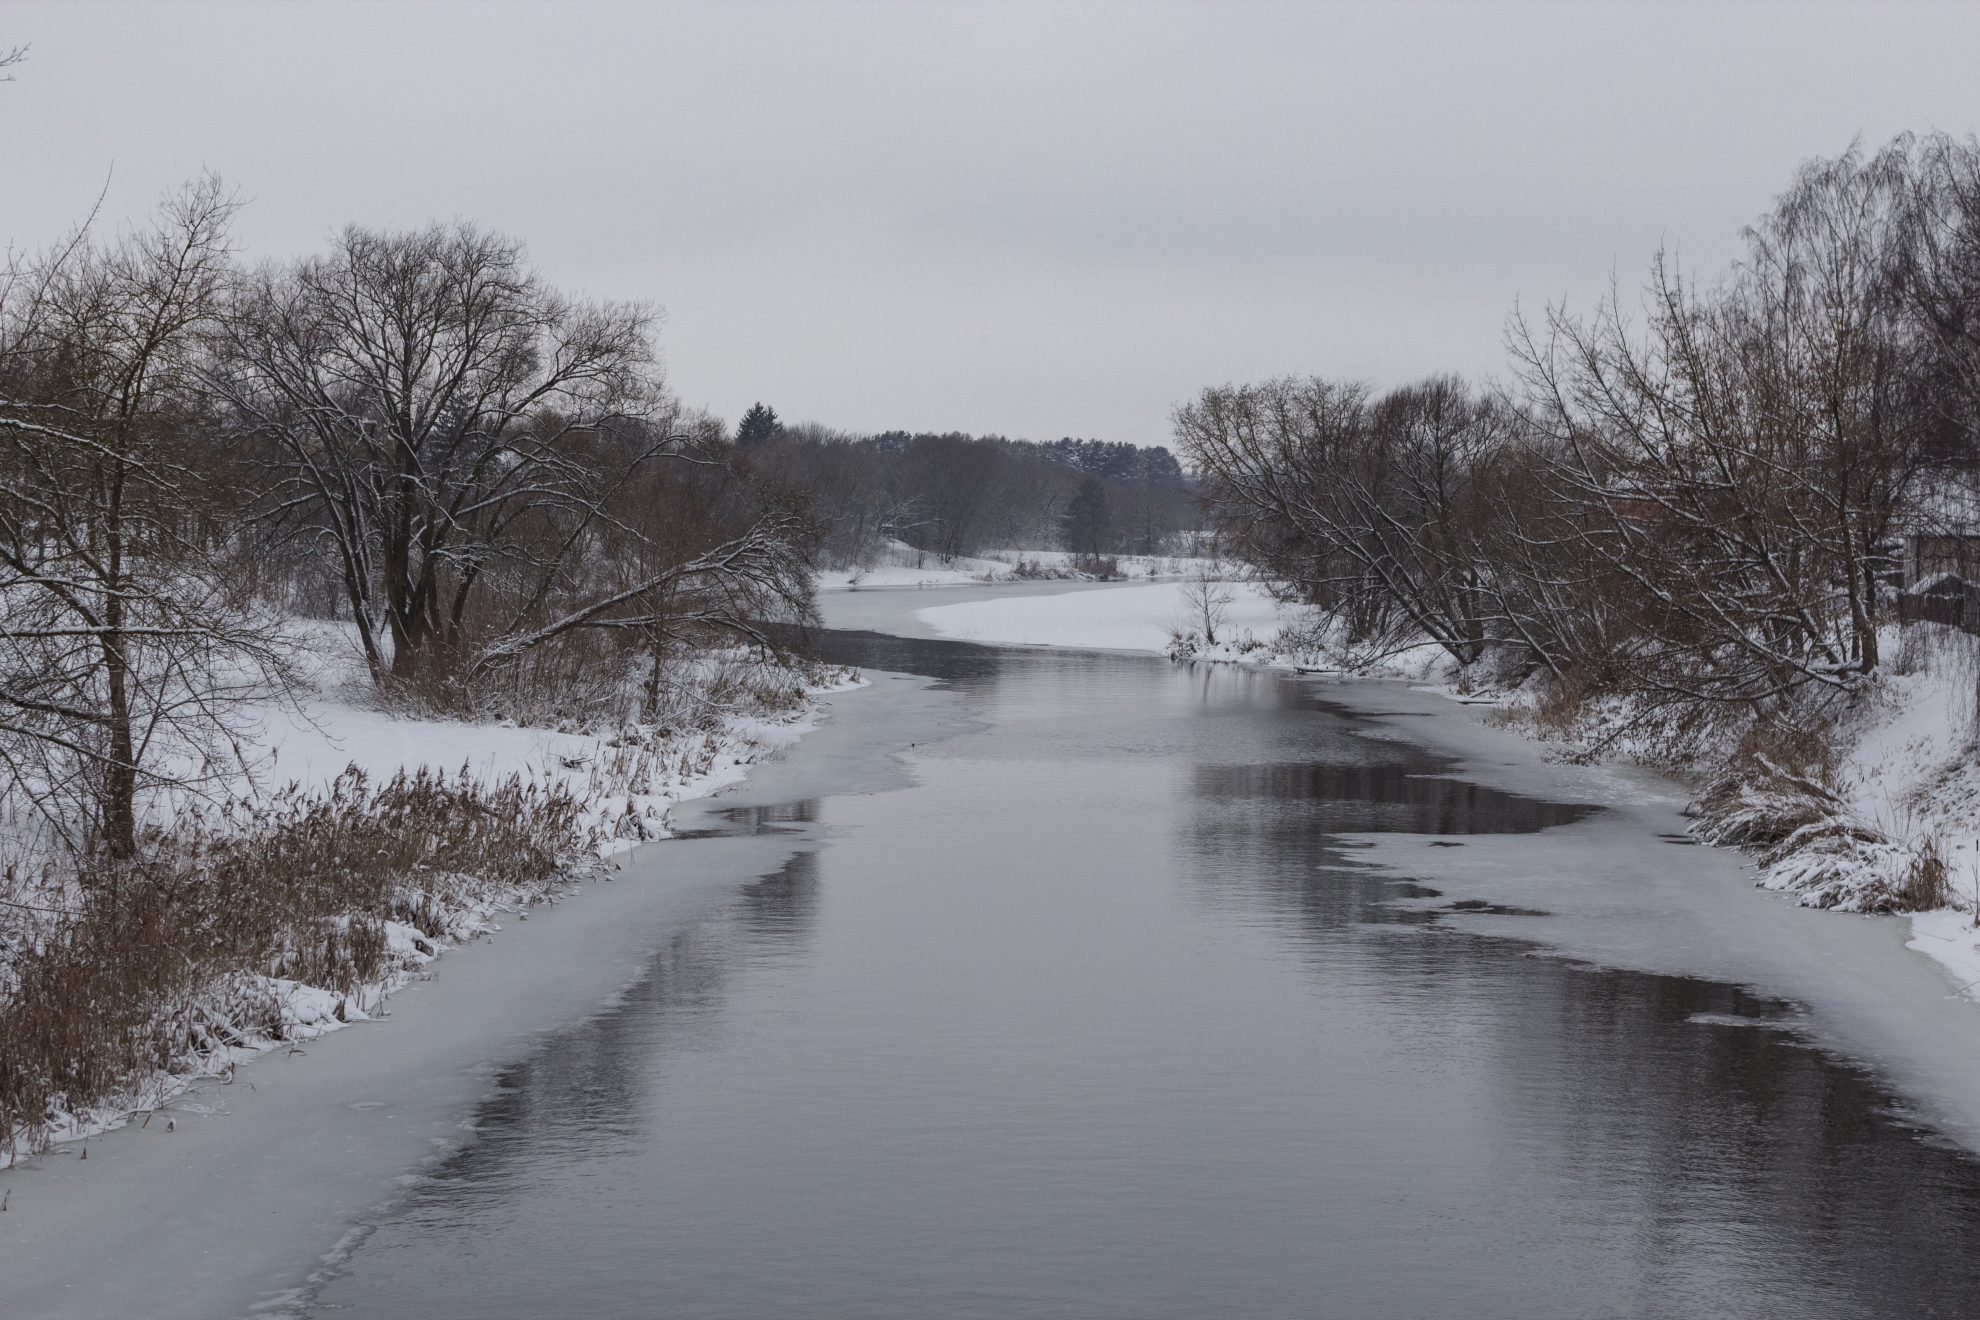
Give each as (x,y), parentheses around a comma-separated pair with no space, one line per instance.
(337,723)
(1908,768)
(1952,940)
(898,565)
(1927,585)
(901,565)
(1128,618)
(312,746)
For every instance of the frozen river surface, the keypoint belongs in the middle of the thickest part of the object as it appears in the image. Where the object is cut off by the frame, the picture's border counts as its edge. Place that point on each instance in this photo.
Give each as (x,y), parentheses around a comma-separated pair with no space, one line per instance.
(1110,1011)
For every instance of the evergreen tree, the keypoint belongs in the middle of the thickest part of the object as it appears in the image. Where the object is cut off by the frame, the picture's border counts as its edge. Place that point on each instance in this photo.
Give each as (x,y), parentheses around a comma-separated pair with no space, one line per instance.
(757,425)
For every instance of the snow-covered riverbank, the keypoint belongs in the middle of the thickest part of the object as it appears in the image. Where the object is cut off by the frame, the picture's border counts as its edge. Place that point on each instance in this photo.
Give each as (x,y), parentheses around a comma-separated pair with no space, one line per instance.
(896,564)
(331,740)
(1139,617)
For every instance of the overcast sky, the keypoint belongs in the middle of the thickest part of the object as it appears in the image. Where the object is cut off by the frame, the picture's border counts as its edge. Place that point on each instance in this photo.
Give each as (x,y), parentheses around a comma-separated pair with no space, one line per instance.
(1034,220)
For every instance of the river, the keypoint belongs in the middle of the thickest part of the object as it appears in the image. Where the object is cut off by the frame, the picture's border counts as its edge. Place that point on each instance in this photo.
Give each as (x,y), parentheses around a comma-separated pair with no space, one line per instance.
(1104,1009)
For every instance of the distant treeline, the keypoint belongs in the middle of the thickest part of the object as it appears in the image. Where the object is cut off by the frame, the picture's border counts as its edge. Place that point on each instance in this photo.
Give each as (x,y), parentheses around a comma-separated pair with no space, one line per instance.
(957,494)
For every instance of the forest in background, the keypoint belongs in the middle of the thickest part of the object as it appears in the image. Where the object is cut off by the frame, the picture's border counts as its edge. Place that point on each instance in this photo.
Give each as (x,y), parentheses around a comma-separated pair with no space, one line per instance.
(953,494)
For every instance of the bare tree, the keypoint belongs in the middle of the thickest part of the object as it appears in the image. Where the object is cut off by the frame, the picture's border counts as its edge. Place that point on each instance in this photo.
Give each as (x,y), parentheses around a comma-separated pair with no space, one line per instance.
(1207,601)
(1735,465)
(1369,507)
(1938,275)
(126,652)
(458,435)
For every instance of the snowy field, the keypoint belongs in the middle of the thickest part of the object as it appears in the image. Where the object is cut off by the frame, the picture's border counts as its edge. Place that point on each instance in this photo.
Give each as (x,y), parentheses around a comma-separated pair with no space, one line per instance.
(1127,618)
(897,564)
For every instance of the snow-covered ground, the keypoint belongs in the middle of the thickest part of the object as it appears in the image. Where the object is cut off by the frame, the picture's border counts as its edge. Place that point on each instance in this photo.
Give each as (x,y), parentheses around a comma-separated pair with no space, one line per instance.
(897,564)
(627,791)
(1127,618)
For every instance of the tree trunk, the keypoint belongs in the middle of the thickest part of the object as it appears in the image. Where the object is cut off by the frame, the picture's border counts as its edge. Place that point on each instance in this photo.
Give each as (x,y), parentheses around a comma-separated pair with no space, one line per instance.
(120,779)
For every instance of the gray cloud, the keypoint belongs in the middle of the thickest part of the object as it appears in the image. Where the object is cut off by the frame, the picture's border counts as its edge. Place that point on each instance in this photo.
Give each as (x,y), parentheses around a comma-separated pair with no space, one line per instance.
(1039,220)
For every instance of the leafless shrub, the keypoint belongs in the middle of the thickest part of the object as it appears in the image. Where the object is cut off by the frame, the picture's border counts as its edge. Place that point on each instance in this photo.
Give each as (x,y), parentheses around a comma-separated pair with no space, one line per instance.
(1778,797)
(1207,601)
(1778,781)
(1032,569)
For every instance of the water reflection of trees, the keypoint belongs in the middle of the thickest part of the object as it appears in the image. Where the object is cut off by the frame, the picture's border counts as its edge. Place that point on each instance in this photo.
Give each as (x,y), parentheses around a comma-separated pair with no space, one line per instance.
(581,1096)
(585,1094)
(747,821)
(1308,797)
(780,910)
(959,663)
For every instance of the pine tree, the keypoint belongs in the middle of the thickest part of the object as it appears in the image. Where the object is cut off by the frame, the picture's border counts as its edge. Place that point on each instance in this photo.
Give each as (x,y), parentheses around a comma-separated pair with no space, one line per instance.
(757,425)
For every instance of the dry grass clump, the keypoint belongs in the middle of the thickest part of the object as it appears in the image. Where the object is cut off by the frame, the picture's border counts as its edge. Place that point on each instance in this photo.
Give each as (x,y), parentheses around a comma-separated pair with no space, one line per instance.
(154,964)
(1928,882)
